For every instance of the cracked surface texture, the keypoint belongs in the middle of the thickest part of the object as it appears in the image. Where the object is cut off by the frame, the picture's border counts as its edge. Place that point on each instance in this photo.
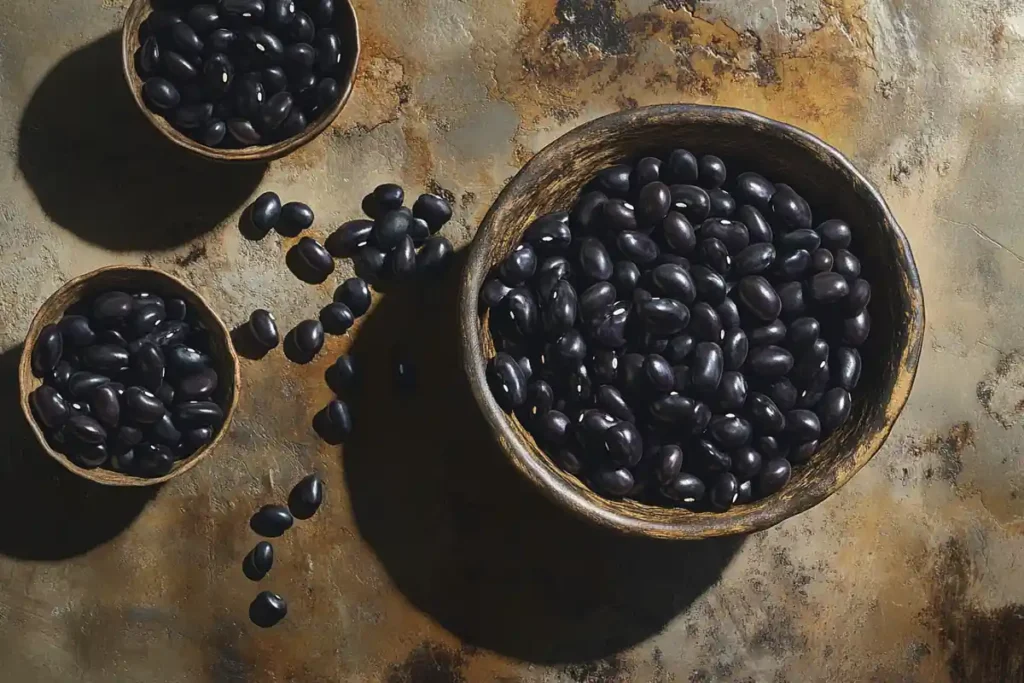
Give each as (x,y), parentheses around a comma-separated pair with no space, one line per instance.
(430,561)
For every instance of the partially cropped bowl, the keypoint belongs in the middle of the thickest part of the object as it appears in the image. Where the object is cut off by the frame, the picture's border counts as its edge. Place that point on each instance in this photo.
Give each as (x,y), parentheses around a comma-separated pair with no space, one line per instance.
(133,278)
(551,181)
(344,23)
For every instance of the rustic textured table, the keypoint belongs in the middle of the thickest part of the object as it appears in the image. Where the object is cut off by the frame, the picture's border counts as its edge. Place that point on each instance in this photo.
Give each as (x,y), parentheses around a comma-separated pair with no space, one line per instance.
(431,562)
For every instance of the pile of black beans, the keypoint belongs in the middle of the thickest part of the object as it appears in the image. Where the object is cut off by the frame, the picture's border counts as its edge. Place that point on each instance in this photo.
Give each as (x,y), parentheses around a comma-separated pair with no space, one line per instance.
(680,336)
(269,608)
(128,383)
(238,73)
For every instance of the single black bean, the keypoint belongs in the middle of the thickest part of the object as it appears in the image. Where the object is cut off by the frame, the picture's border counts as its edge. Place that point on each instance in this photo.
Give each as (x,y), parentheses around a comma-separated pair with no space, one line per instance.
(735,348)
(218,75)
(732,391)
(391,228)
(153,459)
(611,401)
(668,461)
(789,209)
(604,365)
(295,217)
(299,57)
(637,247)
(328,51)
(552,429)
(712,252)
(47,351)
(856,329)
(658,373)
(49,407)
(178,69)
(673,409)
(111,308)
(243,131)
(733,234)
(549,233)
(559,309)
(664,316)
(105,358)
(822,260)
(772,447)
(653,203)
(368,262)
(76,331)
(274,80)
(847,265)
(764,414)
(835,234)
(258,561)
(754,189)
(507,383)
(730,431)
(309,337)
(758,229)
(110,338)
(221,40)
(587,211)
(266,210)
(540,397)
(160,94)
(263,328)
(678,233)
(81,384)
(569,349)
(614,481)
(623,444)
(680,347)
(723,204)
(194,439)
(403,259)
(271,520)
(858,298)
(705,325)
(518,266)
(804,238)
(802,425)
(793,265)
(436,211)
(85,429)
(200,385)
(827,288)
(802,333)
(90,456)
(614,180)
(275,110)
(166,431)
(724,492)
(645,172)
(618,215)
(165,393)
(493,292)
(691,201)
(198,414)
(746,462)
(594,260)
(267,609)
(834,409)
(684,488)
(680,167)
(754,259)
(802,452)
(347,239)
(711,286)
(147,318)
(148,57)
(675,282)
(774,476)
(595,300)
(520,309)
(307,497)
(845,367)
(729,313)
(759,298)
(338,420)
(310,261)
(106,406)
(770,361)
(707,367)
(590,428)
(185,39)
(142,406)
(60,375)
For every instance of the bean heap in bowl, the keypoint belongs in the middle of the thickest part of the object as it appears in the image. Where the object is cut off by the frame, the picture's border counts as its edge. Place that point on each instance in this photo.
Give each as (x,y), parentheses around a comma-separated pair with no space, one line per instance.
(238,73)
(127,383)
(677,343)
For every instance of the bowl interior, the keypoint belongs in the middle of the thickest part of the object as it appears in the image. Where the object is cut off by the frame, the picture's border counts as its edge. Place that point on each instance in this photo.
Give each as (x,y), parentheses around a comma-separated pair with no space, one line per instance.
(347,27)
(134,279)
(551,181)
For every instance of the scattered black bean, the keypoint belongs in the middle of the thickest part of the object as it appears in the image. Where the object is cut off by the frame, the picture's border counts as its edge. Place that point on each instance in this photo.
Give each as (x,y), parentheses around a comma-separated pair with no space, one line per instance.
(295,217)
(258,561)
(263,328)
(267,609)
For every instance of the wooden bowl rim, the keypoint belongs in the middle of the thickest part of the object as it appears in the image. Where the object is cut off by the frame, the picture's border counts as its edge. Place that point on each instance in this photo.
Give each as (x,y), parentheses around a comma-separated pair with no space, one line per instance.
(247,154)
(26,379)
(569,491)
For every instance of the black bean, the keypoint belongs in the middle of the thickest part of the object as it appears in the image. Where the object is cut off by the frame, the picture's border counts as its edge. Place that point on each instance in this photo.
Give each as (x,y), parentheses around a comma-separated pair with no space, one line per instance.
(309,338)
(328,50)
(789,209)
(199,385)
(658,373)
(653,203)
(160,94)
(713,253)
(680,167)
(664,316)
(618,215)
(679,347)
(275,110)
(759,298)
(754,189)
(295,217)
(271,520)
(757,227)
(368,262)
(723,205)
(165,431)
(148,57)
(794,265)
(732,391)
(847,265)
(856,329)
(391,228)
(266,210)
(90,456)
(436,211)
(730,431)
(263,328)
(587,211)
(646,171)
(337,421)
(735,347)
(674,281)
(185,39)
(310,261)
(845,367)
(637,247)
(770,361)
(307,497)
(766,417)
(822,260)
(112,338)
(858,298)
(105,405)
(85,429)
(76,331)
(827,288)
(221,40)
(47,351)
(594,260)
(724,492)
(733,234)
(614,481)
(258,561)
(218,74)
(614,180)
(568,460)
(710,285)
(834,409)
(177,68)
(347,239)
(684,488)
(105,358)
(153,460)
(300,58)
(802,425)
(147,318)
(243,131)
(111,308)
(707,367)
(678,233)
(791,294)
(604,365)
(552,429)
(559,309)
(267,609)
(705,325)
(691,201)
(518,266)
(60,375)
(609,400)
(802,333)
(835,234)
(773,476)
(591,426)
(754,259)
(403,259)
(623,444)
(507,383)
(802,452)
(165,393)
(772,447)
(493,292)
(668,461)
(142,406)
(194,414)
(49,407)
(804,238)
(746,462)
(520,309)
(673,409)
(81,384)
(595,300)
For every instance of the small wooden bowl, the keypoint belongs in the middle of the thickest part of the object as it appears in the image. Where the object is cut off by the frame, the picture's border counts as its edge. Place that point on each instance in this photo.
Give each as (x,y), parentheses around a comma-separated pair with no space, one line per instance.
(552,180)
(133,278)
(345,23)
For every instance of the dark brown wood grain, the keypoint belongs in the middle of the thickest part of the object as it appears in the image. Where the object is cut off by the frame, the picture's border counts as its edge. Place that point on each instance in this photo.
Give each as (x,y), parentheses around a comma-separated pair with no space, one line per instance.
(345,23)
(133,278)
(551,181)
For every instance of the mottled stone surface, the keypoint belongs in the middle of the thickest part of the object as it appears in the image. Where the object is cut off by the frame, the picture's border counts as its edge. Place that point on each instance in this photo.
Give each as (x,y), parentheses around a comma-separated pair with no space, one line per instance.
(430,561)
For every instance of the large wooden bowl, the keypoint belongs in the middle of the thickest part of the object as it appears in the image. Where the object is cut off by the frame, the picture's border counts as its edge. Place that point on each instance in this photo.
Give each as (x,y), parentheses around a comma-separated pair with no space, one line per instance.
(133,278)
(551,181)
(347,27)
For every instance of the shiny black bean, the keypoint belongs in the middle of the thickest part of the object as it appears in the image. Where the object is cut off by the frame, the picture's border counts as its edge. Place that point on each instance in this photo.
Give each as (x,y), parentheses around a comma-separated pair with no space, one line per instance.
(746,462)
(604,365)
(724,492)
(194,439)
(821,261)
(142,406)
(802,425)
(856,329)
(328,51)
(858,298)
(732,391)
(310,261)
(153,459)
(804,238)
(147,318)
(518,266)
(263,328)
(664,316)
(85,429)
(637,247)
(267,609)
(618,215)
(730,431)
(60,375)
(549,233)
(769,361)
(595,300)
(678,233)
(646,171)
(658,373)
(166,431)
(553,429)
(614,180)
(368,261)
(165,393)
(244,132)
(802,452)
(47,351)
(791,294)
(199,386)
(845,367)
(802,333)
(753,189)
(148,57)
(271,520)
(680,167)
(847,265)
(403,259)
(793,266)
(49,407)
(337,420)
(609,400)
(691,201)
(774,476)
(309,338)
(711,172)
(835,234)
(710,285)
(673,409)
(684,488)
(160,94)
(764,414)
(707,367)
(76,331)
(347,239)
(258,561)
(91,456)
(262,45)
(609,329)
(194,414)
(570,348)
(733,234)
(735,348)
(586,213)
(758,229)
(559,309)
(754,259)
(705,324)
(295,217)
(105,405)
(714,254)
(105,358)
(307,497)
(177,68)
(355,294)
(218,74)
(275,110)
(834,409)
(789,209)
(723,205)
(594,260)
(668,461)
(81,384)
(759,298)
(506,381)
(185,39)
(623,444)
(827,288)
(674,281)
(613,481)
(266,210)
(111,308)
(436,211)
(653,203)
(520,308)
(300,58)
